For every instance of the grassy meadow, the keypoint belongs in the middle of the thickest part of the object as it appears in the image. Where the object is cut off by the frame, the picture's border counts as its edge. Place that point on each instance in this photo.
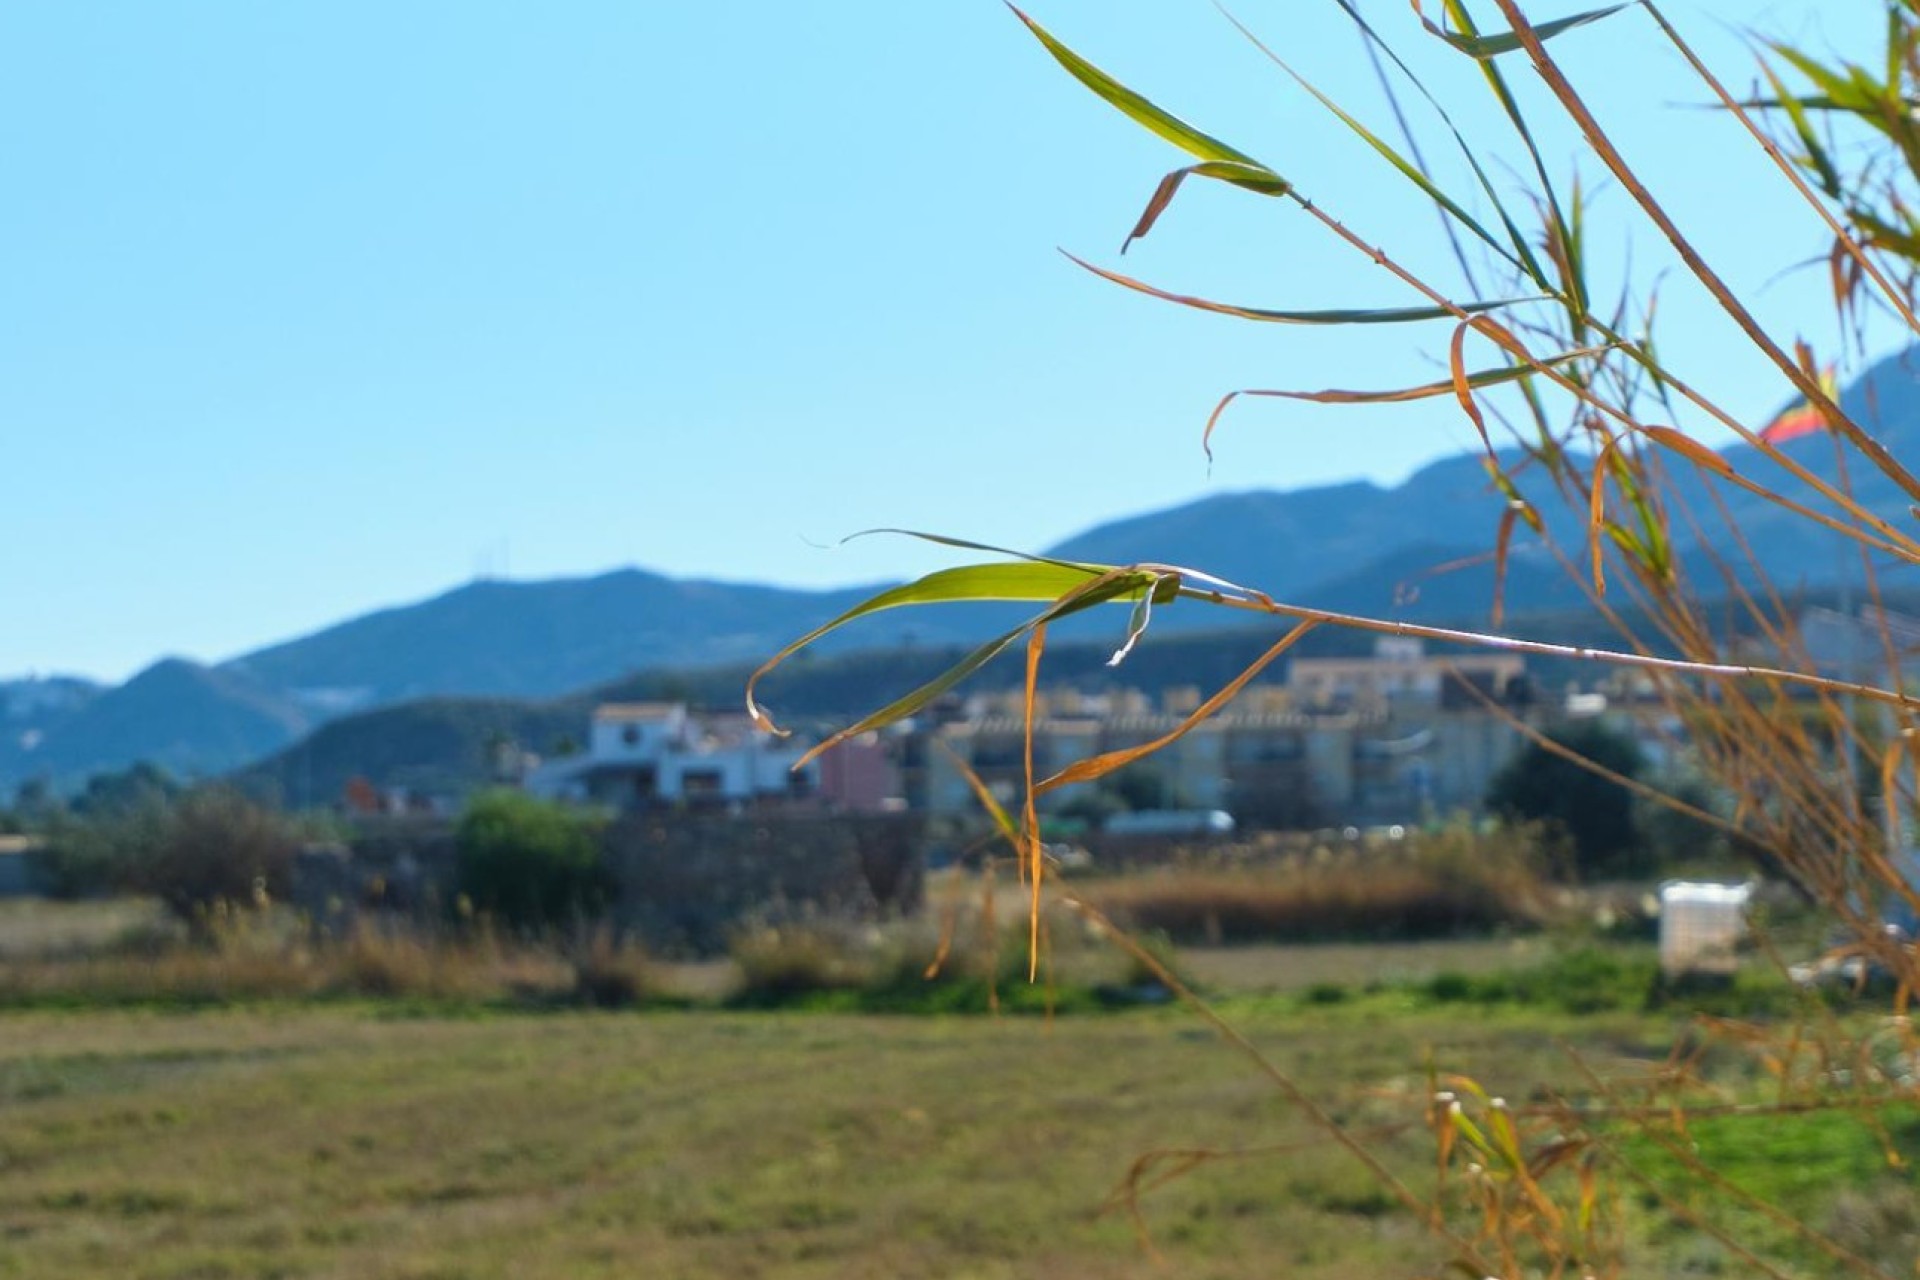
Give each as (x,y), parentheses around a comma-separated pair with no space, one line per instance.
(300,1142)
(261,1135)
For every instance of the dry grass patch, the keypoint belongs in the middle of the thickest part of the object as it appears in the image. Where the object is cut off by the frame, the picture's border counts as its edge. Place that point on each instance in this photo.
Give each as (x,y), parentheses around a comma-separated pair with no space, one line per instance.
(1444,885)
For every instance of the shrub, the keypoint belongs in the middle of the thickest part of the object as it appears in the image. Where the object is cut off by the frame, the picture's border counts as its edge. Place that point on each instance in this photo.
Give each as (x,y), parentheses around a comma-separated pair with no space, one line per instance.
(530,863)
(611,973)
(204,847)
(782,965)
(214,846)
(1541,785)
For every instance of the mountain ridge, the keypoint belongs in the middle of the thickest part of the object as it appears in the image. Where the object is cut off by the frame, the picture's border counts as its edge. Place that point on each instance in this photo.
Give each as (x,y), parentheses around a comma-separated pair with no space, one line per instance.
(1415,551)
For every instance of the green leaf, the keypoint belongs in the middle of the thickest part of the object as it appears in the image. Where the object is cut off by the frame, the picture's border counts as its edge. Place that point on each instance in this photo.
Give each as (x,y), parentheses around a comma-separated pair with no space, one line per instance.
(1250,177)
(1575,284)
(1483,47)
(1816,154)
(1428,390)
(1528,262)
(1218,161)
(1070,587)
(1388,315)
(1114,585)
(1164,123)
(1412,172)
(1843,93)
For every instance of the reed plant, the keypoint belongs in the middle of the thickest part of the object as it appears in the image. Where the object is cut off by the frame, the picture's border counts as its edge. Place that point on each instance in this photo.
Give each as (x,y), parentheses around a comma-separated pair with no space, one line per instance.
(1591,438)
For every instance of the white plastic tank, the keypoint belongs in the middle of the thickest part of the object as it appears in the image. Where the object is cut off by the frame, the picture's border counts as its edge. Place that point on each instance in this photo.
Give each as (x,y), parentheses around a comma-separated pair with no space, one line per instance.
(1701,926)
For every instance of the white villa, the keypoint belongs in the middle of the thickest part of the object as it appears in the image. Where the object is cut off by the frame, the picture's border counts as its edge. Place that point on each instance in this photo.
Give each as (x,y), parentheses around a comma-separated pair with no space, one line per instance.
(655,754)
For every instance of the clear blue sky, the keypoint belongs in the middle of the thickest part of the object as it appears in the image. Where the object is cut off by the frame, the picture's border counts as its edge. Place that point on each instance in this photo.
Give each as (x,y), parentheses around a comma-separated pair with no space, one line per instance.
(311,307)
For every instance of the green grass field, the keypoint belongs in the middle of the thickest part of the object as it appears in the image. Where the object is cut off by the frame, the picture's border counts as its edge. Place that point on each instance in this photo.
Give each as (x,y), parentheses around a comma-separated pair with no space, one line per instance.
(348,1142)
(171,1111)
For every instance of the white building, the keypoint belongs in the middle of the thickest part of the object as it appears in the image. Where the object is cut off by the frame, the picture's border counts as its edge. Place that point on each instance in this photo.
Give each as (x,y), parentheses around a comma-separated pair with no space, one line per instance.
(656,754)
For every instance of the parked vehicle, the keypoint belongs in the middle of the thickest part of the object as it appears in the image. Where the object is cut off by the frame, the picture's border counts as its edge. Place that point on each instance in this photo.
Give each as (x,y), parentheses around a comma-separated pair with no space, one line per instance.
(1171,822)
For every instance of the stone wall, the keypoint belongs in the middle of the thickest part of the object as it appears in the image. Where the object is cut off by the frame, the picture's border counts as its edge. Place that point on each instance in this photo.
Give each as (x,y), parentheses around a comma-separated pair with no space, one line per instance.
(681,883)
(685,883)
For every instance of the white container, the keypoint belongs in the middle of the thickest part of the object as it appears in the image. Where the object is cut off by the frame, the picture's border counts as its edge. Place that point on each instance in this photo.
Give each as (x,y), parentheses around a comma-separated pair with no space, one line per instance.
(1701,925)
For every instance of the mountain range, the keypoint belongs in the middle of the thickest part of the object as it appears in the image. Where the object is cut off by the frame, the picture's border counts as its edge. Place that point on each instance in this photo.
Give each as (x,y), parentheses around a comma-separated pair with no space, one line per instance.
(1416,550)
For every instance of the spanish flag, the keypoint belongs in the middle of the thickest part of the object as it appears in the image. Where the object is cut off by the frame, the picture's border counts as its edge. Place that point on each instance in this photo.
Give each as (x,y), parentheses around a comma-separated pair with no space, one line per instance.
(1801,418)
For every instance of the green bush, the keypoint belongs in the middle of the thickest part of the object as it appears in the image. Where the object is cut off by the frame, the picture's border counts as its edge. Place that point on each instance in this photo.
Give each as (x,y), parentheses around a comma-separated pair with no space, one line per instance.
(530,863)
(191,850)
(785,965)
(1540,785)
(211,846)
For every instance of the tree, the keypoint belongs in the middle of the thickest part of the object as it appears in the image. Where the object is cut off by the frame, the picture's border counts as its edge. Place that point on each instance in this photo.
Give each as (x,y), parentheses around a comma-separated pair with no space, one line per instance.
(531,863)
(1560,787)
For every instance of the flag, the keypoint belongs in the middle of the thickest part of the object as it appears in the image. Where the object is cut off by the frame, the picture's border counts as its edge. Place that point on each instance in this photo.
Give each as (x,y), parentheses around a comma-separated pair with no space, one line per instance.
(1802,419)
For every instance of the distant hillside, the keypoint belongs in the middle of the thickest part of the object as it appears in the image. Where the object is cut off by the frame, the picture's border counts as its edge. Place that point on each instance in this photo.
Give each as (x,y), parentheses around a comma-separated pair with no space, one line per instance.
(35,705)
(1353,542)
(540,639)
(1296,543)
(191,720)
(1415,551)
(434,746)
(444,745)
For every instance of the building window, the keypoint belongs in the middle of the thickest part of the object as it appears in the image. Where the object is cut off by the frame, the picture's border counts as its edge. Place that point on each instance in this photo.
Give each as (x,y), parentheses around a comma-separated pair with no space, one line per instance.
(631,735)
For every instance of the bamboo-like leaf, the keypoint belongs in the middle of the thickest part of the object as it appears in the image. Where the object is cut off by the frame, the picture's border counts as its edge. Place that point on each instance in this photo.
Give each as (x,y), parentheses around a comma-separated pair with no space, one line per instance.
(1137,623)
(1574,286)
(1101,765)
(1471,1132)
(1115,585)
(996,812)
(1485,378)
(1428,390)
(1528,262)
(1505,1140)
(1589,1194)
(1412,172)
(967,544)
(1845,93)
(1165,124)
(1651,549)
(1597,517)
(1467,1084)
(1805,102)
(1690,449)
(1896,43)
(1882,235)
(1492,46)
(1027,580)
(1461,382)
(1501,543)
(1250,177)
(1373,315)
(1816,152)
(1504,485)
